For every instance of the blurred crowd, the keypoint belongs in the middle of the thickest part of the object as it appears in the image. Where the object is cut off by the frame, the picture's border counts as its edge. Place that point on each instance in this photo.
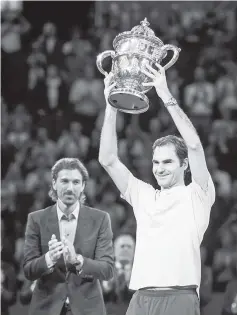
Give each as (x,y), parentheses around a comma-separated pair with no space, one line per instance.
(52,106)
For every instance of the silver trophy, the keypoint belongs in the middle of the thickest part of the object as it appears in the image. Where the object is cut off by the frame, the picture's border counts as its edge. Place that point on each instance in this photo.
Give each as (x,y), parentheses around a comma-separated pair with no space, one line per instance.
(132,50)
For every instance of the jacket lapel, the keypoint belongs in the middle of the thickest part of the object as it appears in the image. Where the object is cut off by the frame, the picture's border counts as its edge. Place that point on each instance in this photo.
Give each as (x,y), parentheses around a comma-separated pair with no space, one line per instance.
(83,229)
(52,223)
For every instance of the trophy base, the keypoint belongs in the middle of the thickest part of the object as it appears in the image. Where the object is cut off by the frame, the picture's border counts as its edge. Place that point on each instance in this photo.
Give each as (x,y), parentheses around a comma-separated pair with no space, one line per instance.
(129,101)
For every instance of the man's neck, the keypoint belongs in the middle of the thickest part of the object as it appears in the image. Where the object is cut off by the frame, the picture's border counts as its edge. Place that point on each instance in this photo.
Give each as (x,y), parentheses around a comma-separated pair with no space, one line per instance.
(66,209)
(181,183)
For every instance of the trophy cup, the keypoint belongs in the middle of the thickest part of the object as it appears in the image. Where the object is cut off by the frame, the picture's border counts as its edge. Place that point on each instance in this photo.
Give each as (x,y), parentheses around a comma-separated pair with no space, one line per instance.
(132,50)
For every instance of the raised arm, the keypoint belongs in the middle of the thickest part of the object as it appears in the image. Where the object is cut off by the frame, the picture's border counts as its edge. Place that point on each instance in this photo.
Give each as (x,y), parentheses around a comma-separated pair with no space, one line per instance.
(197,161)
(108,153)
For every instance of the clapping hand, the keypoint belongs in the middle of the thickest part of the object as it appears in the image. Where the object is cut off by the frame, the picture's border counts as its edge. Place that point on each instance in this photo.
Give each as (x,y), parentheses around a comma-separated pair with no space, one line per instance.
(55,249)
(69,251)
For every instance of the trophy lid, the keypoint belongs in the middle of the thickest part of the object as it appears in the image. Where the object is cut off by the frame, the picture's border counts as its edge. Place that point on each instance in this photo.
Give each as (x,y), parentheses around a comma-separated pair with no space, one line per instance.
(140,31)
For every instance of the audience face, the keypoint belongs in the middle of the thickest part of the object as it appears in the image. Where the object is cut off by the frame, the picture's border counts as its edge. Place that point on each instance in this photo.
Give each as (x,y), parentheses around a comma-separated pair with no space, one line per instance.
(109,197)
(42,134)
(226,239)
(154,126)
(19,126)
(124,247)
(41,161)
(94,168)
(75,128)
(212,163)
(199,74)
(52,71)
(76,34)
(49,29)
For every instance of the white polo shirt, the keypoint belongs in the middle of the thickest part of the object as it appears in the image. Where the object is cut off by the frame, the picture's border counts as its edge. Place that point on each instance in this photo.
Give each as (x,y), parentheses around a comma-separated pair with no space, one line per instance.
(170,227)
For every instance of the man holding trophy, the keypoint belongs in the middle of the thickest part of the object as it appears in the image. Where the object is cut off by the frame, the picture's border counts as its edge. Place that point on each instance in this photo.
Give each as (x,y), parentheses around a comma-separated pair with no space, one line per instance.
(172,220)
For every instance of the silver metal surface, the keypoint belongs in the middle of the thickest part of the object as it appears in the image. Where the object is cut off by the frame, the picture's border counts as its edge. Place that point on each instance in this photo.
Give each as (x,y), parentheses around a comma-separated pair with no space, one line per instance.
(132,50)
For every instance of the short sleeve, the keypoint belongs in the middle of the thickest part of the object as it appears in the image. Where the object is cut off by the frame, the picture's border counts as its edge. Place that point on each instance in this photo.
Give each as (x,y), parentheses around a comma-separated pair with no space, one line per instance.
(139,194)
(207,196)
(202,202)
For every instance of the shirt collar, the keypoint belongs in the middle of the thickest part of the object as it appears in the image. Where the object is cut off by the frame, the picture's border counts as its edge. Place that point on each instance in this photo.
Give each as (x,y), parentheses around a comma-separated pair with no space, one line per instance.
(75,212)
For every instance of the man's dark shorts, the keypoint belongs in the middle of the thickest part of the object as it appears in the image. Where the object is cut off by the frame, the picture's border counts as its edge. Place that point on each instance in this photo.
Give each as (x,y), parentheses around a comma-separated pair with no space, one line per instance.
(164,302)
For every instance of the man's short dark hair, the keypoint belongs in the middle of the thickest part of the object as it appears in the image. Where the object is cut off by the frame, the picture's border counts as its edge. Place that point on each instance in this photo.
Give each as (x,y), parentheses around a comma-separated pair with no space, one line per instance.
(179,144)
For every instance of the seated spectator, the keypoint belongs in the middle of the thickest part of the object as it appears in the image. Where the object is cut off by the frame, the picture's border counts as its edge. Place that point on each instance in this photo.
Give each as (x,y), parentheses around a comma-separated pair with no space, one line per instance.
(199,98)
(230,296)
(161,125)
(8,285)
(206,280)
(19,249)
(222,144)
(40,176)
(50,45)
(14,175)
(36,74)
(215,52)
(229,104)
(42,144)
(26,291)
(78,52)
(86,97)
(52,91)
(8,273)
(221,178)
(20,113)
(40,200)
(97,183)
(72,142)
(226,85)
(49,95)
(14,67)
(8,212)
(223,258)
(116,293)
(18,136)
(115,210)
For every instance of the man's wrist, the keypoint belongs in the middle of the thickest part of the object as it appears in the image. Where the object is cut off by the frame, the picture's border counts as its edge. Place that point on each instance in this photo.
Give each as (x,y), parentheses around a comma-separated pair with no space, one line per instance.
(165,96)
(49,261)
(79,260)
(171,102)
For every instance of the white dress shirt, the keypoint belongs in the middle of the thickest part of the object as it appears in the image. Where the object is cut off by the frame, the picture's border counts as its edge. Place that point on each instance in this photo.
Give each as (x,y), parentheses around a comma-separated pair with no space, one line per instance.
(67,229)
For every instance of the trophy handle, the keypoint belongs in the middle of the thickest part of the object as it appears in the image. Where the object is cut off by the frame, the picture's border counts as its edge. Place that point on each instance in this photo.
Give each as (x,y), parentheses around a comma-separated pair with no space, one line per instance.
(101,57)
(176,51)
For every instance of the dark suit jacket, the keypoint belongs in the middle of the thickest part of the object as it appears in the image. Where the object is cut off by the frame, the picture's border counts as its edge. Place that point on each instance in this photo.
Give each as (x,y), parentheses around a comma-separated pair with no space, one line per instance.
(93,240)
